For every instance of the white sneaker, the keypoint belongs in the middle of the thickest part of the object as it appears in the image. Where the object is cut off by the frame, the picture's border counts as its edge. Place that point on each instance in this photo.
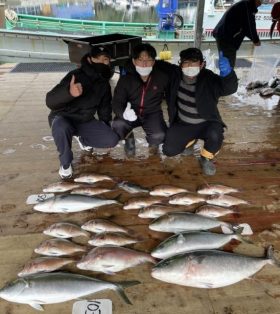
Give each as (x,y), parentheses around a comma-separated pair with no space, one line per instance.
(65,173)
(82,146)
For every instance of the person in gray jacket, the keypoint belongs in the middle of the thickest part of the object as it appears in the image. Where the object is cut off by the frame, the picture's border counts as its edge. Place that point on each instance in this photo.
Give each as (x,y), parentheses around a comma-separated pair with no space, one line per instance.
(74,103)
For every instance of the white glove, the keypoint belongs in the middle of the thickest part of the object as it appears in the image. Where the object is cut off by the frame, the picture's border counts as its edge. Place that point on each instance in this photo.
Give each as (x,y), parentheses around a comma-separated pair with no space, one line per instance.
(129,114)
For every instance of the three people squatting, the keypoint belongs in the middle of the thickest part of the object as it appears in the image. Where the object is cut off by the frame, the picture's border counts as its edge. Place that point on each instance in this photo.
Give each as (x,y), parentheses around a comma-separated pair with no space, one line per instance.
(82,105)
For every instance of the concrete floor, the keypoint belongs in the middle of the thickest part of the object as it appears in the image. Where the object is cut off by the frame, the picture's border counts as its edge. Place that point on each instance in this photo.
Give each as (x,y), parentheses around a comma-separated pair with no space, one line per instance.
(249,160)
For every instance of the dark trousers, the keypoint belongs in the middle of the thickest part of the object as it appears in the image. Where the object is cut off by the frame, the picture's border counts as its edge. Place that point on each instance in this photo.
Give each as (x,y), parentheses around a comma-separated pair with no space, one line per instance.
(228,50)
(94,133)
(180,134)
(153,125)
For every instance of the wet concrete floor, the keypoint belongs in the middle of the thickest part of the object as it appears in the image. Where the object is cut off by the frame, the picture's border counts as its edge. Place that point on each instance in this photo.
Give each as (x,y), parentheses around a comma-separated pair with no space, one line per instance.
(249,160)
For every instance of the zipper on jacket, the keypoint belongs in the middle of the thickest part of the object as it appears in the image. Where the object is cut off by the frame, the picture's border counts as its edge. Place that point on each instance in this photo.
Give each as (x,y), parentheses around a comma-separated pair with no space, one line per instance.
(144,90)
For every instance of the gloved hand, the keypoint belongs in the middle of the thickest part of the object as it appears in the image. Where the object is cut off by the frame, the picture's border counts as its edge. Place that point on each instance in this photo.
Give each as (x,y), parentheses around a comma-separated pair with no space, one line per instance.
(224,65)
(129,114)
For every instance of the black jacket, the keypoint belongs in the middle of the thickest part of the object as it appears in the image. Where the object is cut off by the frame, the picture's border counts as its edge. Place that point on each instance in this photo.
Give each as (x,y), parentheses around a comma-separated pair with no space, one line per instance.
(209,87)
(96,96)
(145,98)
(238,22)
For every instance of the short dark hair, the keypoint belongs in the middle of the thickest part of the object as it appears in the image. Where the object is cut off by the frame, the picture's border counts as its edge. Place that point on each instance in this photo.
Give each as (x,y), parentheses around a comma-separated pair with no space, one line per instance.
(192,54)
(149,49)
(97,51)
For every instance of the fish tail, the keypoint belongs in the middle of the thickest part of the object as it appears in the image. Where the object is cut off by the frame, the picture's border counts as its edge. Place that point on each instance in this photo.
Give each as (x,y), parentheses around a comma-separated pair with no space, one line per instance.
(270,255)
(227,229)
(123,285)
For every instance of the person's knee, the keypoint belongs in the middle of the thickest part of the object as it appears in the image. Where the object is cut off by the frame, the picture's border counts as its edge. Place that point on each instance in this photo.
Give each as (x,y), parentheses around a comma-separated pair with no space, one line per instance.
(120,126)
(60,126)
(215,136)
(113,140)
(156,138)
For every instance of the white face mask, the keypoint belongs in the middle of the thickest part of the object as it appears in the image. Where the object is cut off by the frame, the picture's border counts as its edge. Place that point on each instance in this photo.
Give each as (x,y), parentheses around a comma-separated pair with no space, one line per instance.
(191,71)
(144,71)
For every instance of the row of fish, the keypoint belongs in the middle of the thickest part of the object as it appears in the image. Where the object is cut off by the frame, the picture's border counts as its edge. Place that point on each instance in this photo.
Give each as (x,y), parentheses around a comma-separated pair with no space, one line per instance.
(108,255)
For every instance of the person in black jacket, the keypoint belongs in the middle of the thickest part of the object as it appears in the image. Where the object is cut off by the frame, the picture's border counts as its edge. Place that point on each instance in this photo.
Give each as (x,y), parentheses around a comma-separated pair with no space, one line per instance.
(74,102)
(237,22)
(193,97)
(137,100)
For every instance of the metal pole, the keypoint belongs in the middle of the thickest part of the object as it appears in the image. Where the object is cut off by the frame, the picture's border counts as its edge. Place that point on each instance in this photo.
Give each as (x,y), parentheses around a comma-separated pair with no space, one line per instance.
(199,23)
(2,15)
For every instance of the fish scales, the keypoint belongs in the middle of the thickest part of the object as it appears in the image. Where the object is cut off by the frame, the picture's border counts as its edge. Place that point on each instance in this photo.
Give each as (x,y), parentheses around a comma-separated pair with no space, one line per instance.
(209,268)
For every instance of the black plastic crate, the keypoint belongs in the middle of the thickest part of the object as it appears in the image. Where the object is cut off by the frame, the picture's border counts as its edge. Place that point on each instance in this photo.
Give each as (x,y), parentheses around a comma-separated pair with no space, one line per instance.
(119,45)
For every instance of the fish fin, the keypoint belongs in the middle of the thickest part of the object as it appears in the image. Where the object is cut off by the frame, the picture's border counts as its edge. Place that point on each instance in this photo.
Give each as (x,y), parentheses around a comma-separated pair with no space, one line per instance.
(180,239)
(125,284)
(37,306)
(226,229)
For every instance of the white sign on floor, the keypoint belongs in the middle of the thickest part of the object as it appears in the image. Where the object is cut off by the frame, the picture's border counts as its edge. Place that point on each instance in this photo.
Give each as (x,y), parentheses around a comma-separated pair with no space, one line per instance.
(99,306)
(38,198)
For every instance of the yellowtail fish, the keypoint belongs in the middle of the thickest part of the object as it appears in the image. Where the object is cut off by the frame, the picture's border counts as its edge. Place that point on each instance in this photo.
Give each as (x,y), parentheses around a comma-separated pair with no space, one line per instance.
(210,268)
(58,287)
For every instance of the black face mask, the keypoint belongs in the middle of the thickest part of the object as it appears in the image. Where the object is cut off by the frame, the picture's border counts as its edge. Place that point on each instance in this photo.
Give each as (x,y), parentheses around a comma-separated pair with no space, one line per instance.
(103,69)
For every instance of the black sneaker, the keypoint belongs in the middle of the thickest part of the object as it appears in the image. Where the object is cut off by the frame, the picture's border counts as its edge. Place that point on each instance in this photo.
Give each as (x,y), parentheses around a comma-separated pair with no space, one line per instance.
(129,146)
(207,165)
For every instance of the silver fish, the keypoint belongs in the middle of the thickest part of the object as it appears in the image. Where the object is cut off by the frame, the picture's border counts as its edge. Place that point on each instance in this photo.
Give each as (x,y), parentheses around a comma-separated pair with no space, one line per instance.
(90,191)
(156,210)
(191,241)
(112,238)
(92,178)
(210,268)
(137,203)
(112,259)
(185,199)
(58,247)
(225,200)
(184,221)
(58,287)
(60,187)
(103,225)
(44,265)
(256,84)
(166,190)
(213,211)
(131,187)
(65,230)
(210,189)
(71,203)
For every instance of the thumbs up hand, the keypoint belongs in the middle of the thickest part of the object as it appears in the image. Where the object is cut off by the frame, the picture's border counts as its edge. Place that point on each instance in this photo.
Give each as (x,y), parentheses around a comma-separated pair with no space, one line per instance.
(76,89)
(129,114)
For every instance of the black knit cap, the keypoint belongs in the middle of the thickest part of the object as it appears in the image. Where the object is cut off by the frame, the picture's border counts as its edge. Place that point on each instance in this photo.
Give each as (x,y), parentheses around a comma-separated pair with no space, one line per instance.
(97,51)
(192,54)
